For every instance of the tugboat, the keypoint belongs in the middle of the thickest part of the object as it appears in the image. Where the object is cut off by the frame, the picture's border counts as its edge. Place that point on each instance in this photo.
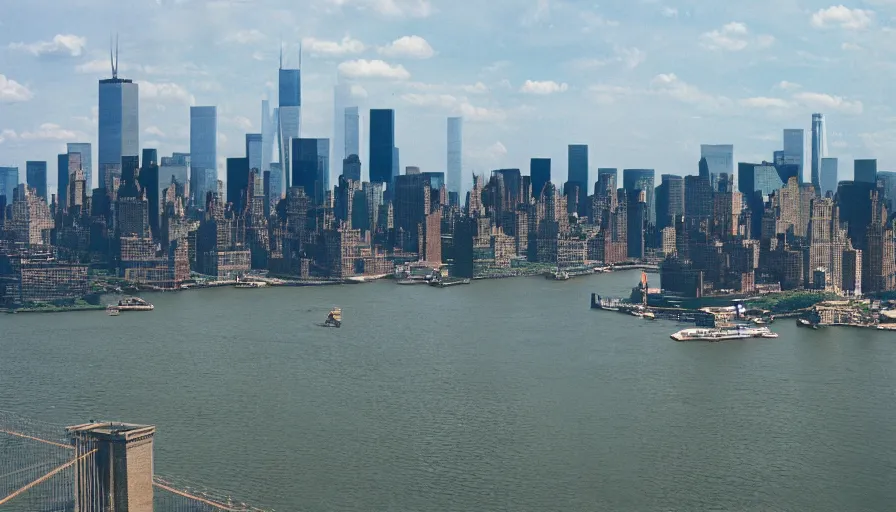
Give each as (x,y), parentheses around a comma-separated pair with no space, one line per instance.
(334,319)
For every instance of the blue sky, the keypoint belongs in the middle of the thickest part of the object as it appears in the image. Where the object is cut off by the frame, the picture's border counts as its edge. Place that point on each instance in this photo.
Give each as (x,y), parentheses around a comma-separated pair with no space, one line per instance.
(643,82)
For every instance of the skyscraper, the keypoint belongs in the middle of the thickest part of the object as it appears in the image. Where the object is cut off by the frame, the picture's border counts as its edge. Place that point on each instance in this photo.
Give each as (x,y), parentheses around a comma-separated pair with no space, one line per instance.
(290,110)
(352,135)
(719,160)
(254,149)
(203,153)
(237,182)
(641,179)
(865,171)
(61,179)
(268,131)
(9,180)
(540,173)
(455,154)
(669,200)
(149,182)
(85,150)
(828,176)
(341,96)
(819,149)
(36,176)
(311,166)
(578,172)
(382,145)
(119,124)
(793,153)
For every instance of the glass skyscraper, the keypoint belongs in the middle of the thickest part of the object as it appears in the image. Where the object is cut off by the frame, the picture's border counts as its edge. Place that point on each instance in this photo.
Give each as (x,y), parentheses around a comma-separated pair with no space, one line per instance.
(36,176)
(352,134)
(85,150)
(865,171)
(311,166)
(268,131)
(669,200)
(828,176)
(203,153)
(254,148)
(290,112)
(819,150)
(794,150)
(382,145)
(455,154)
(119,126)
(540,174)
(641,179)
(341,97)
(9,180)
(719,159)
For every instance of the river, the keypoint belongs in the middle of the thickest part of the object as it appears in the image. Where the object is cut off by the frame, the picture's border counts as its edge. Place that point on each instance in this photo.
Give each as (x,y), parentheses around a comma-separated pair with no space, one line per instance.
(505,395)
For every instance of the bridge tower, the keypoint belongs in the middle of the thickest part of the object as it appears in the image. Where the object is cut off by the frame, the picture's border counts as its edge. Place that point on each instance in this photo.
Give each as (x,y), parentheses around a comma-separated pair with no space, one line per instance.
(118,478)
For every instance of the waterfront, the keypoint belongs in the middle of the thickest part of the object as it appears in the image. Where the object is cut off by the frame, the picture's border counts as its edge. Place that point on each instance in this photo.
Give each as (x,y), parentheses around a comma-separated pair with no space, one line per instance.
(503,395)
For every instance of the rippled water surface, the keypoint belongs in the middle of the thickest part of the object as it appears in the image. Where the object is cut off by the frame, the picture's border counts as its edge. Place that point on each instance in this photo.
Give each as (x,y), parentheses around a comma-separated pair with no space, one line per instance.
(506,395)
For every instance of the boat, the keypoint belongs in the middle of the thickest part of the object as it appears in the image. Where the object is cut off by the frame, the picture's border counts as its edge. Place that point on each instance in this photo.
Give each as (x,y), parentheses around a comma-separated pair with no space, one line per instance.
(648,315)
(113,310)
(250,284)
(561,275)
(802,322)
(334,318)
(723,334)
(444,283)
(133,304)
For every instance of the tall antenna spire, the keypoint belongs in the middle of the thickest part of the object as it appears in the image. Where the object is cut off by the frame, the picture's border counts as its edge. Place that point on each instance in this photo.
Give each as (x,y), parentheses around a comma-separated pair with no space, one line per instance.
(111,56)
(115,71)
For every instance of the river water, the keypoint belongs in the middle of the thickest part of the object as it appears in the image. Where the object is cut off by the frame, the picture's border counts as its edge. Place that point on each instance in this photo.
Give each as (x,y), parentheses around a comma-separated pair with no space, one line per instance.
(506,395)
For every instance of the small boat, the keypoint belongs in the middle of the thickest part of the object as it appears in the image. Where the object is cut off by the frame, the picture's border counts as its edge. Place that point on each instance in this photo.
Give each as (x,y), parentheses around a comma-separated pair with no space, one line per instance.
(250,284)
(648,315)
(802,322)
(334,318)
(113,310)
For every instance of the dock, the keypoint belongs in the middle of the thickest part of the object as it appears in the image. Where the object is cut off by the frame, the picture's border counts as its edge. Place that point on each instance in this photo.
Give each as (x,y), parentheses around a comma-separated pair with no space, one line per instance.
(691,316)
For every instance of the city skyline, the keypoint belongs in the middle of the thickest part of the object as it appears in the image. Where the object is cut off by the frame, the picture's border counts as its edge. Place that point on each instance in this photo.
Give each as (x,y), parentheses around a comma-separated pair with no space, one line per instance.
(619,79)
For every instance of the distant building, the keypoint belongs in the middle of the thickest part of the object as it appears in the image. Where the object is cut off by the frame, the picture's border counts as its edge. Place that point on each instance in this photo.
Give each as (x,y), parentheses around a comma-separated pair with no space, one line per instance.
(577,158)
(828,176)
(540,173)
(119,126)
(9,181)
(203,153)
(351,167)
(84,149)
(382,145)
(455,154)
(642,179)
(819,151)
(865,171)
(36,175)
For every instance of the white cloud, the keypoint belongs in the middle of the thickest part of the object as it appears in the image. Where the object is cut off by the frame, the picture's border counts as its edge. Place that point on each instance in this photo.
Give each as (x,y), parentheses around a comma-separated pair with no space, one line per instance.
(787,86)
(363,68)
(670,85)
(631,57)
(154,130)
(12,91)
(842,16)
(851,47)
(543,87)
(391,8)
(477,88)
(166,91)
(414,47)
(455,105)
(540,11)
(346,46)
(250,36)
(670,12)
(50,131)
(7,134)
(764,102)
(821,101)
(734,36)
(62,45)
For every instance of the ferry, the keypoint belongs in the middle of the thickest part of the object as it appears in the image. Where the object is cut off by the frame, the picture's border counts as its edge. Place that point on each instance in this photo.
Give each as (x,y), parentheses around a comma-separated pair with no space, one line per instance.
(736,333)
(133,304)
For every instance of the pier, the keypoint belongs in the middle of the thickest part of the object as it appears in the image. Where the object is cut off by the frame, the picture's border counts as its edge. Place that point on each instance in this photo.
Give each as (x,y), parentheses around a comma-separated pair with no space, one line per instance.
(699,318)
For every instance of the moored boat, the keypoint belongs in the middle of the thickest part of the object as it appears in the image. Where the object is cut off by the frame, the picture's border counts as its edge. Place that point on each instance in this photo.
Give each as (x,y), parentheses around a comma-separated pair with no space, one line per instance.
(802,322)
(113,310)
(133,304)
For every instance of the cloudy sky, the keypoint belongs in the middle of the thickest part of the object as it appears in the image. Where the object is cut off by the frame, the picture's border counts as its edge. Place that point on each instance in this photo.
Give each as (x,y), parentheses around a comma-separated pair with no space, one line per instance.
(643,82)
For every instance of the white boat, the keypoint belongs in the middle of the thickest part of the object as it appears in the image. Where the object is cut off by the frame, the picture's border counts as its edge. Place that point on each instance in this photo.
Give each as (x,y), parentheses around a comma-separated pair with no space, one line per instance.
(133,304)
(726,334)
(113,310)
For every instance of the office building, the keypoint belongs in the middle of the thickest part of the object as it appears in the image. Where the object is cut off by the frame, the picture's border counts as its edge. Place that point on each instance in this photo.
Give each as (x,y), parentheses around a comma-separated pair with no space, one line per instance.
(351,168)
(540,174)
(61,180)
(669,201)
(641,179)
(352,133)
(290,111)
(342,92)
(119,125)
(9,181)
(794,151)
(455,154)
(237,182)
(203,153)
(828,176)
(865,171)
(819,150)
(36,177)
(268,134)
(577,158)
(719,159)
(311,167)
(382,148)
(86,160)
(254,148)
